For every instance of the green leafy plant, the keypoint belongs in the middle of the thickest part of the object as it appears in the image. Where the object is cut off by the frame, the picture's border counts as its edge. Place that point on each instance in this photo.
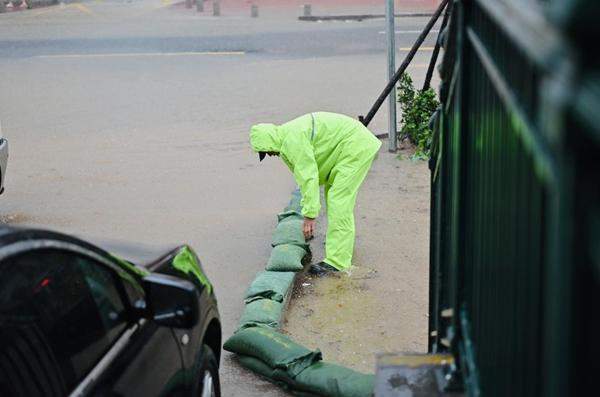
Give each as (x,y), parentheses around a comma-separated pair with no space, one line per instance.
(417,107)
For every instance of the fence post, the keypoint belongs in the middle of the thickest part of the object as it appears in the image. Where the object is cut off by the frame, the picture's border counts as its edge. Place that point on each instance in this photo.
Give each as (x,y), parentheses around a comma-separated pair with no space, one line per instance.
(391,57)
(216,8)
(254,11)
(307,10)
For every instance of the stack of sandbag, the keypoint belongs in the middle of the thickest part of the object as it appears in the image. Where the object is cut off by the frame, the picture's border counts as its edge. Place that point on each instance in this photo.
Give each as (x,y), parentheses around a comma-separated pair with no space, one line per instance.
(265,299)
(271,353)
(267,295)
(289,244)
(264,350)
(295,367)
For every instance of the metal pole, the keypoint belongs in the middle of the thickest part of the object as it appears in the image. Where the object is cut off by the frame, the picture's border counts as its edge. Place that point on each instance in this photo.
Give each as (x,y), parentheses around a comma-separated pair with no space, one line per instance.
(307,10)
(392,83)
(436,50)
(391,57)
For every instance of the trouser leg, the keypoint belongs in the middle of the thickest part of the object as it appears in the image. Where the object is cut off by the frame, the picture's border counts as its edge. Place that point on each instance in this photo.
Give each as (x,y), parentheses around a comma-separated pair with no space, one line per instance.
(341,198)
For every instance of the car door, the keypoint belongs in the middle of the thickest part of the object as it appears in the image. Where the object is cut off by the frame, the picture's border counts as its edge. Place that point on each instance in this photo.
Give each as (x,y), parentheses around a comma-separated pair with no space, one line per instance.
(66,324)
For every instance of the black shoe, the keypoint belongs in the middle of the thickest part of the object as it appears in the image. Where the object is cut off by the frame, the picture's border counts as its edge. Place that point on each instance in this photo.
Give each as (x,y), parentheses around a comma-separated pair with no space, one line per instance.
(322,269)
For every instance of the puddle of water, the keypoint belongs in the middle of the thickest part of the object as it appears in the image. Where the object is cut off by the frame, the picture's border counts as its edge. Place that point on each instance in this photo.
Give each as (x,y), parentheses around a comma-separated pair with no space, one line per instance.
(336,315)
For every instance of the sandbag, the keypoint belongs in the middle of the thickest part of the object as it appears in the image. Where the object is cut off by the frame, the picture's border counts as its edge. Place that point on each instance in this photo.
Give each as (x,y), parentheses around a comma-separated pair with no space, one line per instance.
(299,393)
(286,258)
(289,214)
(289,231)
(256,365)
(273,348)
(332,380)
(277,376)
(296,202)
(263,312)
(270,285)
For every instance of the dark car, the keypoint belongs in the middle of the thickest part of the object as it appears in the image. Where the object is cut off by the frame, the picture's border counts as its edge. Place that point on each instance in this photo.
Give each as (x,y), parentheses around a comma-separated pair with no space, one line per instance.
(78,320)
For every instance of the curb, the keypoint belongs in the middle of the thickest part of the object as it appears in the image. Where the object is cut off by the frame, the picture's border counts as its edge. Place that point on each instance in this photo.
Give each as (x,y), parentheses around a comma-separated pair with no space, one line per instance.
(318,18)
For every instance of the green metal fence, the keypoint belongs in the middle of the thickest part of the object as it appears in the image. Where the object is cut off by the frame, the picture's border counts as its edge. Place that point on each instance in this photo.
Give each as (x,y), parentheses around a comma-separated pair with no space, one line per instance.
(515,214)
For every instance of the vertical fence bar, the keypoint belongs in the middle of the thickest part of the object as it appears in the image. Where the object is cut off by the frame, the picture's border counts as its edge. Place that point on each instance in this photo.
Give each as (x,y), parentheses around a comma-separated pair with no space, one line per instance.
(307,10)
(391,58)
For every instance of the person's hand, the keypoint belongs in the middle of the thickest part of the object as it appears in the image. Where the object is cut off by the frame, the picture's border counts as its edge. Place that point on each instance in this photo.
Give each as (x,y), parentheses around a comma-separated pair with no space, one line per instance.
(309,228)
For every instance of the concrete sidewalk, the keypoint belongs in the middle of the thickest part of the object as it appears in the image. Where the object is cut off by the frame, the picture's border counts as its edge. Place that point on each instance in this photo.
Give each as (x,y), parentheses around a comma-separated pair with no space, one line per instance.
(382,304)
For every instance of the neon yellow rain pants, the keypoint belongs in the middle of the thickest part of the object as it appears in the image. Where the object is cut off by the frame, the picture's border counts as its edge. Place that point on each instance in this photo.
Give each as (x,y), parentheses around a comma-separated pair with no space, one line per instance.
(324,149)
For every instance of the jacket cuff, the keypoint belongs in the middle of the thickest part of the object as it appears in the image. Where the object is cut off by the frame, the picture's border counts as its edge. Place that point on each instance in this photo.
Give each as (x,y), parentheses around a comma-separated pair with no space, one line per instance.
(310,213)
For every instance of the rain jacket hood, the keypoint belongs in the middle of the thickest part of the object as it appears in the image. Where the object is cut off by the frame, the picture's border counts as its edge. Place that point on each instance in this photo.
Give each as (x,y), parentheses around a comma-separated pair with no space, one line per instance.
(266,138)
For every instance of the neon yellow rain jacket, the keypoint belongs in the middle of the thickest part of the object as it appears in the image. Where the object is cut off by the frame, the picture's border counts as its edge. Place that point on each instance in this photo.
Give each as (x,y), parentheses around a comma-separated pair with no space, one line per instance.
(324,149)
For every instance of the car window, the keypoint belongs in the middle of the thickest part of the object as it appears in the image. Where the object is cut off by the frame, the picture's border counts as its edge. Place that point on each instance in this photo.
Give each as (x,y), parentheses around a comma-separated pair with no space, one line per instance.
(59,313)
(133,290)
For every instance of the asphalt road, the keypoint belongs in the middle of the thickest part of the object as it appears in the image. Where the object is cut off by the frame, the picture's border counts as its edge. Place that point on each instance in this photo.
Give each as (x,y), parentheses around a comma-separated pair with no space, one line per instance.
(129,120)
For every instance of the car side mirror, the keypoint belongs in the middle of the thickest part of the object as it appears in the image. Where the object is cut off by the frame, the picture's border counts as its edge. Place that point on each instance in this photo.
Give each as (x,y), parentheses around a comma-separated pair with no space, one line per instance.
(171,301)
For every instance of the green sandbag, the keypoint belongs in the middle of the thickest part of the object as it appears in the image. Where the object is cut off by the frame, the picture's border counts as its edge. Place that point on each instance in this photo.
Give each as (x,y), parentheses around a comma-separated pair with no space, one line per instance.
(270,285)
(274,349)
(255,365)
(275,375)
(289,214)
(332,380)
(298,393)
(286,258)
(289,231)
(261,312)
(296,202)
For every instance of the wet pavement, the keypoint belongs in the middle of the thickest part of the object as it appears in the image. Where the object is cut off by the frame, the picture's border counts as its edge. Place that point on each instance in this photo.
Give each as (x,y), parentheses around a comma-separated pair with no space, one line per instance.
(129,120)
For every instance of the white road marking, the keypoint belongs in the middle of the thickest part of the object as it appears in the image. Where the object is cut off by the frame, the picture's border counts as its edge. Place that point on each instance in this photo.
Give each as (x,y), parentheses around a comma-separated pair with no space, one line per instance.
(420,48)
(145,54)
(409,31)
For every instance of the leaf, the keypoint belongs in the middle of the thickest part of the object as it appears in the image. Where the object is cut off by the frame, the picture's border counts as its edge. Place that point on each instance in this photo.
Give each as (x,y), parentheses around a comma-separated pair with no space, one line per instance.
(417,108)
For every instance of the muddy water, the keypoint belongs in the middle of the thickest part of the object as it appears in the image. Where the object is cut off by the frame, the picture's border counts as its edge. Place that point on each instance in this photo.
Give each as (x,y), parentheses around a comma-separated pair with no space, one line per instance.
(334,322)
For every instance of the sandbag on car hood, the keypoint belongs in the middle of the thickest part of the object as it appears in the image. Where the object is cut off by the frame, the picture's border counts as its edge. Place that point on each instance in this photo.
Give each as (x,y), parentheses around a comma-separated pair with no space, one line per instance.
(270,285)
(261,312)
(274,349)
(332,380)
(286,258)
